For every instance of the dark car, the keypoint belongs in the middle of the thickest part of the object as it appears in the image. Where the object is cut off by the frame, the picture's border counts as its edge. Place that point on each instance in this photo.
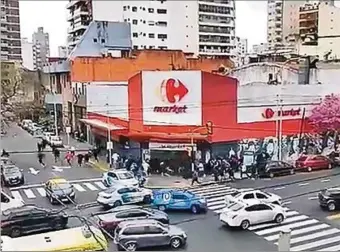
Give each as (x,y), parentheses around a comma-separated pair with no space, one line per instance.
(11,175)
(330,199)
(59,190)
(30,219)
(276,168)
(313,162)
(110,220)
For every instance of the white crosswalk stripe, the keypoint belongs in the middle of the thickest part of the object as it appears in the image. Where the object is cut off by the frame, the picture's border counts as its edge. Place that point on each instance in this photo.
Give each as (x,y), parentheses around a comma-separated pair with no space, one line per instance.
(306,233)
(90,186)
(79,188)
(42,192)
(17,195)
(100,184)
(29,193)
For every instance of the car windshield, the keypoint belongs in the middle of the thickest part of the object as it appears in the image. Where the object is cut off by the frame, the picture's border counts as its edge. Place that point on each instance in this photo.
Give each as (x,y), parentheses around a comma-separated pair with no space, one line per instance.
(236,194)
(235,206)
(11,170)
(60,186)
(124,175)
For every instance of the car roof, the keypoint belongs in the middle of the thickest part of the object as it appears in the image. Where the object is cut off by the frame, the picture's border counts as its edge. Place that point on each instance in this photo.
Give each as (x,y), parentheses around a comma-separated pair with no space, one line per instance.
(138,222)
(251,202)
(58,181)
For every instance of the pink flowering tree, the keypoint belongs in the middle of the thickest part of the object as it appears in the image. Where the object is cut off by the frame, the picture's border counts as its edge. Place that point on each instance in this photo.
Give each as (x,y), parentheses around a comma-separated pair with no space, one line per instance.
(326,116)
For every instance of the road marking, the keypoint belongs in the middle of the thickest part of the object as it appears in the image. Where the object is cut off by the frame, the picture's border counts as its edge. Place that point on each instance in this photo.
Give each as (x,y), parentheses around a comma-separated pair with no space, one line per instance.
(298,231)
(303,184)
(286,203)
(313,198)
(290,226)
(79,188)
(16,194)
(279,188)
(315,235)
(100,185)
(325,180)
(29,194)
(291,213)
(90,186)
(334,217)
(288,220)
(41,191)
(211,187)
(318,243)
(222,205)
(334,248)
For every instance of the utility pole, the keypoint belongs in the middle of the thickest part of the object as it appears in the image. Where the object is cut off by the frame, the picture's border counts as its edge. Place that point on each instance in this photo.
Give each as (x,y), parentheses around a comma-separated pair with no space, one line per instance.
(109,142)
(55,113)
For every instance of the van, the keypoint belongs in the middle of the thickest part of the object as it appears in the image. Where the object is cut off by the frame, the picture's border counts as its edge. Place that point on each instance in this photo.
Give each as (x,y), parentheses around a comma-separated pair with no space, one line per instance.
(8,202)
(72,239)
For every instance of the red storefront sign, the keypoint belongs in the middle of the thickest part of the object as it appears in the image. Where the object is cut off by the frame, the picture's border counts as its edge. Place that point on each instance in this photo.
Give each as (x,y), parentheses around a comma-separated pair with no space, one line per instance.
(172,92)
(270,113)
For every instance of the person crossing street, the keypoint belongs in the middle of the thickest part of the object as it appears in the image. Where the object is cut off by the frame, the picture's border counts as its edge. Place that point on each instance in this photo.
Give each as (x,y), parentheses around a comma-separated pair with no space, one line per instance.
(41,157)
(56,153)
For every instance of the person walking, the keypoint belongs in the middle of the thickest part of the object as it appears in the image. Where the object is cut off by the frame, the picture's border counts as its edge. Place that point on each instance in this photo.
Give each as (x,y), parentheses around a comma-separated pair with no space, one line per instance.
(41,159)
(80,159)
(87,157)
(194,178)
(95,152)
(68,158)
(56,153)
(39,146)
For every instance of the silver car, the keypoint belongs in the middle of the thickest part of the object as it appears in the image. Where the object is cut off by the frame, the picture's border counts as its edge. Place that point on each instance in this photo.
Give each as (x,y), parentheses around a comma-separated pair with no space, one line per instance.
(136,234)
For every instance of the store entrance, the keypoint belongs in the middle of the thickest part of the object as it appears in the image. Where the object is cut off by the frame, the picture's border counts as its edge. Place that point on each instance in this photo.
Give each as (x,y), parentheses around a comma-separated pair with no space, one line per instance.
(176,161)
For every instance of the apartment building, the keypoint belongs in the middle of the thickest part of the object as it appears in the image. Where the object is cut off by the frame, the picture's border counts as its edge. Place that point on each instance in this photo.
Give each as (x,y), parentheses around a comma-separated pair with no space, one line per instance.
(282,23)
(259,48)
(319,26)
(27,52)
(41,48)
(201,27)
(10,30)
(240,51)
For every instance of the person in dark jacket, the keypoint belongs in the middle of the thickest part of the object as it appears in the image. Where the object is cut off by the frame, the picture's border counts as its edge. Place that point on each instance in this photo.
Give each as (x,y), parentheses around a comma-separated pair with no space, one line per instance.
(56,153)
(87,157)
(39,146)
(40,159)
(43,144)
(95,152)
(195,178)
(4,153)
(80,159)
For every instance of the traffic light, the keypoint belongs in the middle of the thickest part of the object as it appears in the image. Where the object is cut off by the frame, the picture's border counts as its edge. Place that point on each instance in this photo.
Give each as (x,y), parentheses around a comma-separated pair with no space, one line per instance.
(209,126)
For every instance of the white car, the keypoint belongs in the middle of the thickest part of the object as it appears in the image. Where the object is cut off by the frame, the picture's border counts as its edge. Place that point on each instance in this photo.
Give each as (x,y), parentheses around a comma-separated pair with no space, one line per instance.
(119,177)
(47,136)
(55,141)
(250,194)
(121,195)
(245,213)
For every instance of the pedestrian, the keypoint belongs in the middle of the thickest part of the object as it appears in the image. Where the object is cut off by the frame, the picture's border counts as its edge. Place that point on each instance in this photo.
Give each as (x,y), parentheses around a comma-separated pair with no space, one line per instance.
(39,147)
(87,157)
(56,153)
(44,143)
(40,159)
(194,178)
(4,153)
(69,157)
(80,159)
(146,167)
(73,151)
(95,153)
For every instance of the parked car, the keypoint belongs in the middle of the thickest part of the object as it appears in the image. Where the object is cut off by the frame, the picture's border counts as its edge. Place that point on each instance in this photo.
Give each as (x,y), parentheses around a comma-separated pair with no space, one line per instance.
(248,195)
(169,199)
(26,123)
(137,234)
(243,214)
(55,141)
(330,198)
(11,175)
(47,136)
(122,195)
(110,220)
(122,177)
(30,219)
(313,162)
(59,190)
(277,168)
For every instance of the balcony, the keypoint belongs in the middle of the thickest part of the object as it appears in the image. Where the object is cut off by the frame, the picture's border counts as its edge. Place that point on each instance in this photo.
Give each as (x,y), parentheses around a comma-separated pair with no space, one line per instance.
(72,3)
(77,27)
(213,52)
(215,43)
(216,3)
(78,13)
(216,23)
(213,10)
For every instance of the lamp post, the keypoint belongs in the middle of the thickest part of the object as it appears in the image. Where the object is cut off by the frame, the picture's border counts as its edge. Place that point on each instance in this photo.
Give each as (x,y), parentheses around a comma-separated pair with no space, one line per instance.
(109,144)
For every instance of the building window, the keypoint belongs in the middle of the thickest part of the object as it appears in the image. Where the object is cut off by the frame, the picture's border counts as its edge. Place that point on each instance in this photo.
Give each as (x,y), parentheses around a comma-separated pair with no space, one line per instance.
(135,47)
(162,36)
(162,23)
(161,11)
(151,35)
(151,23)
(135,35)
(124,8)
(151,10)
(134,9)
(135,21)
(95,40)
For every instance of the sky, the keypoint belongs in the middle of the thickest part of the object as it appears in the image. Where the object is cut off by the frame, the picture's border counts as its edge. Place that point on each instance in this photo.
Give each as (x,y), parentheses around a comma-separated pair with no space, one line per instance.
(251,21)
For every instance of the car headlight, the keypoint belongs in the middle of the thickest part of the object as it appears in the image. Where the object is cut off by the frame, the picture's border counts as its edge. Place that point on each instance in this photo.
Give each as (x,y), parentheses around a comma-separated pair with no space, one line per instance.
(202,201)
(184,235)
(53,195)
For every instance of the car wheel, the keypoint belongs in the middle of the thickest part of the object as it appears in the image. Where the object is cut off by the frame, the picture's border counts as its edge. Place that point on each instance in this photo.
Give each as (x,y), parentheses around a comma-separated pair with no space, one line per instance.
(147,199)
(52,201)
(331,206)
(271,175)
(161,208)
(279,218)
(194,209)
(309,169)
(292,171)
(117,203)
(175,243)
(15,232)
(330,166)
(130,246)
(245,224)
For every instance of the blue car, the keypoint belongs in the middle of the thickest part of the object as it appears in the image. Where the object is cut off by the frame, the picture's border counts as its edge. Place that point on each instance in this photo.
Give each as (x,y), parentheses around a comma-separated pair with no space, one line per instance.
(169,199)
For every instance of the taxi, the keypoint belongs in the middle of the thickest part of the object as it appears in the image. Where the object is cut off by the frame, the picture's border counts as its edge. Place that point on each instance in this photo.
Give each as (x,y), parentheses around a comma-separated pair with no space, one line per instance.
(59,190)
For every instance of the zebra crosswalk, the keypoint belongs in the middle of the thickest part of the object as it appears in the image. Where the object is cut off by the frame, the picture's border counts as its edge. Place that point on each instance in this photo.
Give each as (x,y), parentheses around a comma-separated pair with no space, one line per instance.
(307,233)
(36,192)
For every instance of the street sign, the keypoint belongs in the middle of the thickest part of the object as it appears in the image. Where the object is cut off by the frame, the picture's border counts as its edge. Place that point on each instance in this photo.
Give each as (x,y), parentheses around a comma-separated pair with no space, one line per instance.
(68,129)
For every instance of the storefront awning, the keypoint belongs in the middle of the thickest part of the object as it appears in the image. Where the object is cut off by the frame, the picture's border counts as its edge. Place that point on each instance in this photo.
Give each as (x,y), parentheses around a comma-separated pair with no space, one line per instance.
(174,137)
(101,124)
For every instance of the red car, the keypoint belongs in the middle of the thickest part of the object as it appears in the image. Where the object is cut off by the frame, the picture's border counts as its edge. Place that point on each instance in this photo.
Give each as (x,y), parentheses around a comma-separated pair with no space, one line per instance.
(313,162)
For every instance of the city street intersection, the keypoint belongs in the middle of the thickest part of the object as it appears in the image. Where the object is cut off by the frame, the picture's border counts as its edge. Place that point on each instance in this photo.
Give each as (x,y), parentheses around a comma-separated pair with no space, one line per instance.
(312,229)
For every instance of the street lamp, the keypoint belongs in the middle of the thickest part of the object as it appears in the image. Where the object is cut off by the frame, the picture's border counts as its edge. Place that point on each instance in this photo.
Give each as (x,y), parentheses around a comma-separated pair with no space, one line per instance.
(109,144)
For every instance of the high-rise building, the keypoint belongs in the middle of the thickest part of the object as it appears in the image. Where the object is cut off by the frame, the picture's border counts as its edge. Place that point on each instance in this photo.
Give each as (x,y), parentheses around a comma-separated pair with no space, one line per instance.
(62,51)
(10,30)
(201,27)
(41,48)
(27,54)
(282,23)
(260,48)
(240,51)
